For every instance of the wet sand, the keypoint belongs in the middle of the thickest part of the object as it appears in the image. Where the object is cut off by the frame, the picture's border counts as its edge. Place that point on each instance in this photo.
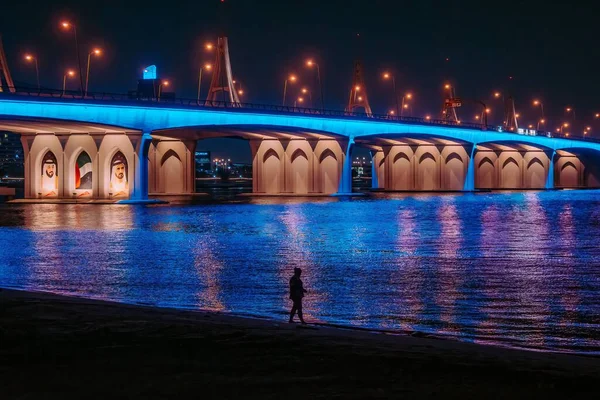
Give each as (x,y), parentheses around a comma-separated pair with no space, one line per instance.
(54,346)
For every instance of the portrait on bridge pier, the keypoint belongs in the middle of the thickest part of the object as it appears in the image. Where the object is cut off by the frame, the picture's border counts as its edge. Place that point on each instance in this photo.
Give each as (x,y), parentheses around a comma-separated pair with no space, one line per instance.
(83,175)
(119,185)
(49,182)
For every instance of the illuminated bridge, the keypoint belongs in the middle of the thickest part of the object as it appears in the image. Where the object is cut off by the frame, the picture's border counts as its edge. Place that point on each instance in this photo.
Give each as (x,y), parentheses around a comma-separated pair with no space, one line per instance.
(119,148)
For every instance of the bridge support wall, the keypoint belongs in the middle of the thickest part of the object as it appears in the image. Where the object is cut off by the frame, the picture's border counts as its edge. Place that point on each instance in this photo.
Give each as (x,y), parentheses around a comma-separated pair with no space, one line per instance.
(171,167)
(297,166)
(84,166)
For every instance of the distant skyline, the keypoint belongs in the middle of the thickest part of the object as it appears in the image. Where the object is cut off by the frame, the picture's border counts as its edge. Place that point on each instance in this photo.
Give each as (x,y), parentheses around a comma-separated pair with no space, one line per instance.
(545,48)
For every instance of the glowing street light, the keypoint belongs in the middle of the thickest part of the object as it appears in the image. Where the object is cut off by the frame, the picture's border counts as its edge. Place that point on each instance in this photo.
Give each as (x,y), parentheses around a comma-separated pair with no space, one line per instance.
(497,95)
(209,46)
(70,73)
(29,58)
(310,64)
(308,93)
(300,99)
(292,78)
(571,110)
(539,103)
(96,52)
(207,67)
(67,25)
(387,75)
(162,83)
(428,117)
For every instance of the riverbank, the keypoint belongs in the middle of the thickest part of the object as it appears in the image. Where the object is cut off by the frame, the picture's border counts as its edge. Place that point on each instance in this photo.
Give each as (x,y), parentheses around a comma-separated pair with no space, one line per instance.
(56,346)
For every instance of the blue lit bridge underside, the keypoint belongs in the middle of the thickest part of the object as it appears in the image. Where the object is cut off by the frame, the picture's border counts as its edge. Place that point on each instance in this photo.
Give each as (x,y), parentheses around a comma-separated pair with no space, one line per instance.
(292,154)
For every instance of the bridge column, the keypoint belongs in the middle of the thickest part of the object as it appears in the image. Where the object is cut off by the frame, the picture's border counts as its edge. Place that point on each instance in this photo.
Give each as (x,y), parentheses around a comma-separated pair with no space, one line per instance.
(140,191)
(374,170)
(346,178)
(550,176)
(470,178)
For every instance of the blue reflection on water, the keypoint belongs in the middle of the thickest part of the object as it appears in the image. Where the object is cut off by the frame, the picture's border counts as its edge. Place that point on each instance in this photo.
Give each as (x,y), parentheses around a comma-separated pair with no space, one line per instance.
(518,269)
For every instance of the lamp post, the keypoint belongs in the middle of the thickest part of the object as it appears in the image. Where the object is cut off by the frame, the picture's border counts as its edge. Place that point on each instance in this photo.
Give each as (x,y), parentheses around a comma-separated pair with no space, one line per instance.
(291,78)
(96,52)
(208,67)
(69,73)
(539,103)
(387,75)
(305,92)
(311,63)
(166,83)
(29,57)
(298,100)
(69,25)
(405,106)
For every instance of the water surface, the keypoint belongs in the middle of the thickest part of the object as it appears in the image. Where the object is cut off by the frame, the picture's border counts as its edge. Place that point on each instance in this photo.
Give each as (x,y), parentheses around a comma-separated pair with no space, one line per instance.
(517,269)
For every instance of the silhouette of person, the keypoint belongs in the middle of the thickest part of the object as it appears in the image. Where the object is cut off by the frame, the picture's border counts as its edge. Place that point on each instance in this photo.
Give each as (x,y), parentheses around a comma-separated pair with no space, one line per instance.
(296,294)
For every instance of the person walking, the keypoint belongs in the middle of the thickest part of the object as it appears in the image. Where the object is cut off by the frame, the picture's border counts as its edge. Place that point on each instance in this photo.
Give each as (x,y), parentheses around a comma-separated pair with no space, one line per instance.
(296,294)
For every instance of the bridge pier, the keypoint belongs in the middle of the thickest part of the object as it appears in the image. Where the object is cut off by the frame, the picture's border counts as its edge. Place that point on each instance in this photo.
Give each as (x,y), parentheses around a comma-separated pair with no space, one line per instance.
(346,179)
(470,178)
(550,175)
(296,166)
(171,166)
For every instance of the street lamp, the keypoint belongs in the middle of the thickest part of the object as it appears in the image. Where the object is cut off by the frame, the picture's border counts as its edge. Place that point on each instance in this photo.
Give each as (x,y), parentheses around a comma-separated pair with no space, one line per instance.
(571,110)
(70,73)
(310,64)
(291,78)
(29,58)
(68,25)
(165,83)
(405,106)
(387,75)
(207,67)
(298,100)
(95,52)
(209,46)
(305,92)
(541,121)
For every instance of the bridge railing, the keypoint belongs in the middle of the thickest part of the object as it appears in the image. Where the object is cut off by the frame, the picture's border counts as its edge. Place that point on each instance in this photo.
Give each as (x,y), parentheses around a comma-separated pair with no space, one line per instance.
(194,103)
(167,100)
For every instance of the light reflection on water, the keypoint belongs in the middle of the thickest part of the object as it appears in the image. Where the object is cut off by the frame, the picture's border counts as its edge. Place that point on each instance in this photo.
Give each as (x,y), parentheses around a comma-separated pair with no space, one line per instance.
(518,269)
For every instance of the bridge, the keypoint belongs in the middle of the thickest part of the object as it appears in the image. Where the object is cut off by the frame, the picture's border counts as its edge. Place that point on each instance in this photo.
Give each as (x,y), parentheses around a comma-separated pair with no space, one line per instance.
(111,147)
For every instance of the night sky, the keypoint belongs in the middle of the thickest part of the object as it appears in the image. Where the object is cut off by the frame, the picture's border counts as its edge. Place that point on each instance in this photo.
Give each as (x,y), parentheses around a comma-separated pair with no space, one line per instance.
(550,50)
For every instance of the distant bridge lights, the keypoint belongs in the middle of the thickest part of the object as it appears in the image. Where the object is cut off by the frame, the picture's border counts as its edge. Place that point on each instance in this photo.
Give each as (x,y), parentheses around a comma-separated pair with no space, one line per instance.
(97,52)
(30,58)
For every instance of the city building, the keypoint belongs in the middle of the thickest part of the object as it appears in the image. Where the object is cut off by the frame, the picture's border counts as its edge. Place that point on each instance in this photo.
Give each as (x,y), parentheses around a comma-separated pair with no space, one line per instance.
(11,156)
(203,162)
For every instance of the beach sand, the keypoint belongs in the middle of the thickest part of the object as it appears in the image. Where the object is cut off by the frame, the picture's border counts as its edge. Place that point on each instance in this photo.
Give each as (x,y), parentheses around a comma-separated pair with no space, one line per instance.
(54,346)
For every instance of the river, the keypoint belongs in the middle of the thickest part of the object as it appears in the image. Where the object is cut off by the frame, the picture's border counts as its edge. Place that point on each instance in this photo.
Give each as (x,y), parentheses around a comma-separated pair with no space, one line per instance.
(518,269)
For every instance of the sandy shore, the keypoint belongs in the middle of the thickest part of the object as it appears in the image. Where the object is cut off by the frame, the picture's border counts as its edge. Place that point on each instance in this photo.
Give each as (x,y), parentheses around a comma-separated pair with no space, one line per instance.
(60,347)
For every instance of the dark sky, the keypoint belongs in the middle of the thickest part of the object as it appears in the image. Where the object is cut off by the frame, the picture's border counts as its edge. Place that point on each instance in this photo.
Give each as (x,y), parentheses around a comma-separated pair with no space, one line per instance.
(550,50)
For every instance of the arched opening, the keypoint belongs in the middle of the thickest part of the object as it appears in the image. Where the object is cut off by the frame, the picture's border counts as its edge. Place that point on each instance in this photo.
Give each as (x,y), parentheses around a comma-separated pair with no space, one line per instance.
(299,164)
(536,174)
(119,176)
(454,172)
(486,173)
(271,172)
(329,172)
(401,172)
(83,175)
(49,176)
(568,175)
(224,166)
(172,174)
(428,173)
(510,174)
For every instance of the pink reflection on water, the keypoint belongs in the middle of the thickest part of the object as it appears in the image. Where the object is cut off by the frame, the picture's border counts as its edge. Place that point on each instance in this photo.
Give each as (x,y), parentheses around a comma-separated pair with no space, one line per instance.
(208,267)
(410,274)
(449,271)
